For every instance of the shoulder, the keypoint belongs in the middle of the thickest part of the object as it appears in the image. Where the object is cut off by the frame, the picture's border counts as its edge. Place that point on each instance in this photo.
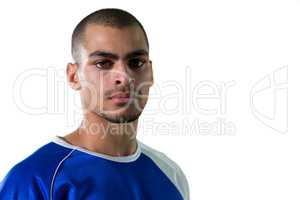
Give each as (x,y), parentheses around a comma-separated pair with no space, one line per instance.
(169,167)
(31,177)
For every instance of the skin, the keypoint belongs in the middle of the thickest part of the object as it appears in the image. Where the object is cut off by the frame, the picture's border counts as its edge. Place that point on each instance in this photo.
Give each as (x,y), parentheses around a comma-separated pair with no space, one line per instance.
(109,127)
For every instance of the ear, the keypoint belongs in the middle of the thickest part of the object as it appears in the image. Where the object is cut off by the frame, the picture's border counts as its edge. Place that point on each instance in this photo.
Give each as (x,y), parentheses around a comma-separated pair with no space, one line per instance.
(151,73)
(72,76)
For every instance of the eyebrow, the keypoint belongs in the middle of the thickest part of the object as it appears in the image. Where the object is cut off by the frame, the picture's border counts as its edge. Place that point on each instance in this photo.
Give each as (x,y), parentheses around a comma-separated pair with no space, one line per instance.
(99,53)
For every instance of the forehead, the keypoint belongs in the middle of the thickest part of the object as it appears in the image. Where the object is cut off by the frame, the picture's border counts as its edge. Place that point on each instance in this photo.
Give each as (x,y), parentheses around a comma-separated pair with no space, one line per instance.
(113,39)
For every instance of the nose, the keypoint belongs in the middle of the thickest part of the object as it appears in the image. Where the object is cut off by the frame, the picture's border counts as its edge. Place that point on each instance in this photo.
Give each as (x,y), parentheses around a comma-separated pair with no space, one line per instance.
(122,76)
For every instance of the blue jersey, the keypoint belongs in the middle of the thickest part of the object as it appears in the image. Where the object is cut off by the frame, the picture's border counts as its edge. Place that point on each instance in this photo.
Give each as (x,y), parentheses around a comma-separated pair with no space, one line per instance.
(61,171)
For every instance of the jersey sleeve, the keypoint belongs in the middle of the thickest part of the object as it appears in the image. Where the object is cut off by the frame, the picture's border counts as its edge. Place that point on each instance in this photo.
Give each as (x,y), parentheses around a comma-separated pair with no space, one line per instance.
(177,175)
(183,183)
(170,168)
(20,184)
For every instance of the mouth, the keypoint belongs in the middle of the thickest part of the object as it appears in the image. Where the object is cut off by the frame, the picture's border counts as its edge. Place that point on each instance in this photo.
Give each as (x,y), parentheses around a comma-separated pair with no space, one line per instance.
(120,98)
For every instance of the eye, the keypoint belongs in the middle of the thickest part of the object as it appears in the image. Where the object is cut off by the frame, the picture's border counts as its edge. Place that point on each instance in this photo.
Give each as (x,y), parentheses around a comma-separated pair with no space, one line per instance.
(136,63)
(104,64)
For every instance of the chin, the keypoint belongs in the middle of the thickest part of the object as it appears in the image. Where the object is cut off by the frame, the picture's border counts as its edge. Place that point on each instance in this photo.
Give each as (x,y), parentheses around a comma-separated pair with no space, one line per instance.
(123,118)
(120,115)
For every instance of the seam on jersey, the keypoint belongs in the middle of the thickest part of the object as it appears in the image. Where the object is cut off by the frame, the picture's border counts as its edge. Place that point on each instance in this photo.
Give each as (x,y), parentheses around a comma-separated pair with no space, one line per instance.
(56,170)
(174,182)
(171,164)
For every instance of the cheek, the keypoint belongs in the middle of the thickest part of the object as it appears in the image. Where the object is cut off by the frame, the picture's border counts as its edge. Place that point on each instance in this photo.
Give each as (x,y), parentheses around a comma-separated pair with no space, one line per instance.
(98,81)
(144,80)
(93,88)
(142,96)
(143,85)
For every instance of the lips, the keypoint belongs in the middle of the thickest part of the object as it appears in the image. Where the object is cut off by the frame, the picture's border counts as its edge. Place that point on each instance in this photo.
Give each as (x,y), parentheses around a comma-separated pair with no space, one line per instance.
(120,98)
(120,95)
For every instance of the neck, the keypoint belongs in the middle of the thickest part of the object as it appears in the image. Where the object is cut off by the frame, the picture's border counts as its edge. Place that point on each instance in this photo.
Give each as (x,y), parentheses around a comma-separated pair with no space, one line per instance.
(99,135)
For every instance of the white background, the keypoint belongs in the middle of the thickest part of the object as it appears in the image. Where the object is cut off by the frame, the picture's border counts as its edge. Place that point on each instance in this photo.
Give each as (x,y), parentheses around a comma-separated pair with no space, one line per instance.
(253,154)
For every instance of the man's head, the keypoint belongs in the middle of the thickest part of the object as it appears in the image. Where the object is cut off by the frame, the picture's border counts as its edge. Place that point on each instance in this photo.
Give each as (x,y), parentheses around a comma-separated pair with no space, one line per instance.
(111,53)
(109,17)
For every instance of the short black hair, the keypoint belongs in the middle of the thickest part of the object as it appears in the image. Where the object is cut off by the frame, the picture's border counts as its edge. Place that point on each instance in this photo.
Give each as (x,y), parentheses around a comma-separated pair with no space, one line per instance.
(112,17)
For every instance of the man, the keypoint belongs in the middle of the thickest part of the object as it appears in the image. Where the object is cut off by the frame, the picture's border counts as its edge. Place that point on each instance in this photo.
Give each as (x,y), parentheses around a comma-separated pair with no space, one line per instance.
(102,159)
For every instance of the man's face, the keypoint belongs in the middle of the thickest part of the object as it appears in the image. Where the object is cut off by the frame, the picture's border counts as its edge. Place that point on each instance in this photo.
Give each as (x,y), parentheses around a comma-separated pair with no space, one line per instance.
(115,72)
